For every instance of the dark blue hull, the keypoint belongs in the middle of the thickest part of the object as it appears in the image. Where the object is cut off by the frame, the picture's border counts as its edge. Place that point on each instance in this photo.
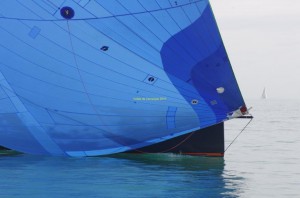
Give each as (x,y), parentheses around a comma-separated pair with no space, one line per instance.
(203,142)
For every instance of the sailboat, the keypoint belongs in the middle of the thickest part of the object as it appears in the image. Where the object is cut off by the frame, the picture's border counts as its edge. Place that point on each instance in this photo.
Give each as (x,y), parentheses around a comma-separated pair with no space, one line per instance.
(264,94)
(98,77)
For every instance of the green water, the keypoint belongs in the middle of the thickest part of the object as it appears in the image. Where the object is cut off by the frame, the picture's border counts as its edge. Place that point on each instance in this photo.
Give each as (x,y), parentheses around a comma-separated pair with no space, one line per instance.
(263,162)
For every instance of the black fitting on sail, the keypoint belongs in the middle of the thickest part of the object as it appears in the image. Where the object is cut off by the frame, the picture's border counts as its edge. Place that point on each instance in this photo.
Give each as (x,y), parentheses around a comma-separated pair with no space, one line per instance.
(246,117)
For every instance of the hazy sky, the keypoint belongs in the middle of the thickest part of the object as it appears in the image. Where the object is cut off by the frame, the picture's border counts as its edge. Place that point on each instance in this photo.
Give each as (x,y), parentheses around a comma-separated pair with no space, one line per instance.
(262,38)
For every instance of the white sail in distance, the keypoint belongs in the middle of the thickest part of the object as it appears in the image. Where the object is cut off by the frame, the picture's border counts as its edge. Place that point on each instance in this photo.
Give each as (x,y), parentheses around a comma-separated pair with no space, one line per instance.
(264,94)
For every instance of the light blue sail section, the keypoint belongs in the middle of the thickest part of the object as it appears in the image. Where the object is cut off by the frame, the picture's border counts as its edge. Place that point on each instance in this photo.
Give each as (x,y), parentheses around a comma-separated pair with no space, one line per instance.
(85,78)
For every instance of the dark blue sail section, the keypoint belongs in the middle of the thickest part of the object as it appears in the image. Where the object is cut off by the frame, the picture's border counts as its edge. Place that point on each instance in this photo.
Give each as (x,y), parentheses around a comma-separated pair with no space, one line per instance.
(86,78)
(200,59)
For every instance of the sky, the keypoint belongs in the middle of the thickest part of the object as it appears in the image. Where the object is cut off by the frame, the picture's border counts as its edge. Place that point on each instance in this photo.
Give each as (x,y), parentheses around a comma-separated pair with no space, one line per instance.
(262,38)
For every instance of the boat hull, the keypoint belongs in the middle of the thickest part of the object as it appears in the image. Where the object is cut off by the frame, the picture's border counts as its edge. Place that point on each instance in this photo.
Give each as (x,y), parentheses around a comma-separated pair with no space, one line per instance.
(203,142)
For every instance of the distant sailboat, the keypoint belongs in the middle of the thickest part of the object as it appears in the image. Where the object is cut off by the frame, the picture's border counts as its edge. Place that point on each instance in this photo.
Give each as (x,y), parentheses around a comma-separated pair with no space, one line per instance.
(264,94)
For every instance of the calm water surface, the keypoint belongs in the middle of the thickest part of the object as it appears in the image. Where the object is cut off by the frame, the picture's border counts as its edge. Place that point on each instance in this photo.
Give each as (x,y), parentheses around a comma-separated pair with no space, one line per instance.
(263,162)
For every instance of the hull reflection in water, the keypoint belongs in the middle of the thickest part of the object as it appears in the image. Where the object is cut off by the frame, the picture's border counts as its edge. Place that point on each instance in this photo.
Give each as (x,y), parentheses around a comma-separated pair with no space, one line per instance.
(122,175)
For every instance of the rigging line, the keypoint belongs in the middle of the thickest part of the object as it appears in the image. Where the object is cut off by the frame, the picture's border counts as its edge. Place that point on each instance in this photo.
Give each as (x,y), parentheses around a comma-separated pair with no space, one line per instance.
(95,18)
(180,143)
(238,134)
(169,149)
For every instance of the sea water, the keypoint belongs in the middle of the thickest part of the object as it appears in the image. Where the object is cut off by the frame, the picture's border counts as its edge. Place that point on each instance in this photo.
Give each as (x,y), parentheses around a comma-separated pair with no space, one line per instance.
(263,162)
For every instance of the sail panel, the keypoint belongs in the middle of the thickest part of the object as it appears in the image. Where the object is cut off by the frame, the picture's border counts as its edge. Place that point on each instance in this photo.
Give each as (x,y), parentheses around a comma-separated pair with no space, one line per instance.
(211,68)
(111,77)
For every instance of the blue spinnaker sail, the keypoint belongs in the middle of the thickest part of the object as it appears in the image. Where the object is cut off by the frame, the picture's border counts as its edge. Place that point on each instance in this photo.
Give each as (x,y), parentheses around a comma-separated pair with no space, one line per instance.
(85,78)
